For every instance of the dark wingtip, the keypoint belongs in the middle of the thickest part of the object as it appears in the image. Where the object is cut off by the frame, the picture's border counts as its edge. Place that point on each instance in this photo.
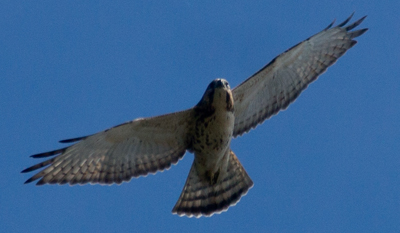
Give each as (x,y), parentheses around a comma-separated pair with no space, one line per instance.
(39,165)
(362,31)
(346,21)
(330,25)
(72,139)
(29,169)
(25,171)
(355,24)
(40,182)
(29,181)
(352,43)
(41,155)
(50,153)
(357,33)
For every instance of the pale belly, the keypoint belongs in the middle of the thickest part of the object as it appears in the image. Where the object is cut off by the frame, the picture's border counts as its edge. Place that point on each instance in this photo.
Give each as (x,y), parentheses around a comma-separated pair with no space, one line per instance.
(212,139)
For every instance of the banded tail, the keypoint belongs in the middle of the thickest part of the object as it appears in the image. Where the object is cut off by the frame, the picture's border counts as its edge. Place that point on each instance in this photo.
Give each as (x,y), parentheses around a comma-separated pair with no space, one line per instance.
(200,197)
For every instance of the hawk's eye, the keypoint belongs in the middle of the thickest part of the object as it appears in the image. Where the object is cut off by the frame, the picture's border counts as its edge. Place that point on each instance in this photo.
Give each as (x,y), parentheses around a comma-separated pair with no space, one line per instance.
(227,84)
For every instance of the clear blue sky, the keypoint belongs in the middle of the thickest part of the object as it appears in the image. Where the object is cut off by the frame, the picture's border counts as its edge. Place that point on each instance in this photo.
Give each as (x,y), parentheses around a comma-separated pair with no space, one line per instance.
(330,163)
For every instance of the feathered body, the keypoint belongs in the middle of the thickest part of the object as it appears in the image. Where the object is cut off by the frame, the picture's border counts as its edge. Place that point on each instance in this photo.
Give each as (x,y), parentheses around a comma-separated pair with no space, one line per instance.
(216,180)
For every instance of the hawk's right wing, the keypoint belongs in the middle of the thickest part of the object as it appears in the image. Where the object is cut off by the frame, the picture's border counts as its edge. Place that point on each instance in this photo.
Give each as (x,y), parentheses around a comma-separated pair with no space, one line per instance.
(132,149)
(280,82)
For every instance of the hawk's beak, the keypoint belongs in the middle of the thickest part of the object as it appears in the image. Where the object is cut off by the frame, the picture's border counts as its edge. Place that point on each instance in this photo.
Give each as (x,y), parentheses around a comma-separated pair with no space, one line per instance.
(219,84)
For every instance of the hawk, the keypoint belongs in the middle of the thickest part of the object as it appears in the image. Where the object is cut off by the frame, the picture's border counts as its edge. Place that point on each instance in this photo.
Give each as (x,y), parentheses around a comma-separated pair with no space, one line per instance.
(217,180)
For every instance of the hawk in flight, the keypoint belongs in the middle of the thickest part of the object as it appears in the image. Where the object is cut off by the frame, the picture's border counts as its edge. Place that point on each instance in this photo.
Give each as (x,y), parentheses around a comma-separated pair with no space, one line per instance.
(216,179)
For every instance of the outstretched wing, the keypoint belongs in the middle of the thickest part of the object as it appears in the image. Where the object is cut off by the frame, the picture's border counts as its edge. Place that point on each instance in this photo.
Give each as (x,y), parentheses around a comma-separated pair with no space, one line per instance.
(128,150)
(281,81)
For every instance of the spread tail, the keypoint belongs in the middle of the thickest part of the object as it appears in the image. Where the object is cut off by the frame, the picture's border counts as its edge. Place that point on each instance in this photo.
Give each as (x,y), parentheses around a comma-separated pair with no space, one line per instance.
(204,197)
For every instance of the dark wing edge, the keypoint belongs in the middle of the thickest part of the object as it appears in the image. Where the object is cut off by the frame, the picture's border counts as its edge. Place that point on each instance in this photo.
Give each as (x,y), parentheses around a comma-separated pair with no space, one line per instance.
(49,161)
(245,121)
(89,159)
(73,139)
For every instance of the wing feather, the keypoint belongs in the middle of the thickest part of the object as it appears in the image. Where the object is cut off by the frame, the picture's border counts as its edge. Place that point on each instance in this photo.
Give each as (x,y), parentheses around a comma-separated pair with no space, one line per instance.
(282,80)
(115,155)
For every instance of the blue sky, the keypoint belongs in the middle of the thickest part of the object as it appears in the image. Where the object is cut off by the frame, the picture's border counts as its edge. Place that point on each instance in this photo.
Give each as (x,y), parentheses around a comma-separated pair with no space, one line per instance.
(330,163)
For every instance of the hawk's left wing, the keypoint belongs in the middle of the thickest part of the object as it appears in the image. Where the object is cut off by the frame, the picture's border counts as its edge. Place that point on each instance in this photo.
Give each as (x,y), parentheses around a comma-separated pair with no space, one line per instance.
(132,149)
(278,84)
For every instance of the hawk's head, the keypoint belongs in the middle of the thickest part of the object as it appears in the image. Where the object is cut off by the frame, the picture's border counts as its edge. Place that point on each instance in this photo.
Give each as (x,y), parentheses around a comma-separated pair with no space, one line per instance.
(217,96)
